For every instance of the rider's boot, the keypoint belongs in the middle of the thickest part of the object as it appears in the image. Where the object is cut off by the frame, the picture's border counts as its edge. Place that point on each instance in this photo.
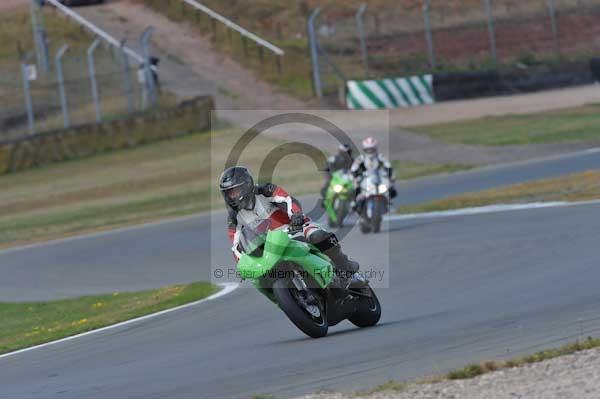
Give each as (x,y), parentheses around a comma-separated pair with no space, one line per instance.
(346,268)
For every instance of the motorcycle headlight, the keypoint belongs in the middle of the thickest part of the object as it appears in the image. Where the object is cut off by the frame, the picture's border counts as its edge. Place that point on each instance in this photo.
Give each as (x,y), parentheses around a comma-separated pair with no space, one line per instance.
(383,189)
(338,188)
(371,187)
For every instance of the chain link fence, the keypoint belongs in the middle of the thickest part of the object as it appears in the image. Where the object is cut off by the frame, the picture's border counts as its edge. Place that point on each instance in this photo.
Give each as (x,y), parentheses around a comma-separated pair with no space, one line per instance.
(119,92)
(12,111)
(427,36)
(99,82)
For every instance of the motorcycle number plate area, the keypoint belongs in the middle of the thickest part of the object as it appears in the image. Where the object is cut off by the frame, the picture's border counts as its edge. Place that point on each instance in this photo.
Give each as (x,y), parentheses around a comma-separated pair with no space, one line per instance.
(370,209)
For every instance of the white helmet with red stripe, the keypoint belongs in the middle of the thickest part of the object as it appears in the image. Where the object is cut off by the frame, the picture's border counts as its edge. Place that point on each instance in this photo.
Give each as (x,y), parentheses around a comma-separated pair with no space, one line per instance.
(369,146)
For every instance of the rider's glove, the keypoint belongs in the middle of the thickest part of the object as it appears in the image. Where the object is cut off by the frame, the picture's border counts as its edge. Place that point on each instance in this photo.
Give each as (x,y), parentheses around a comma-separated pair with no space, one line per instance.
(296,223)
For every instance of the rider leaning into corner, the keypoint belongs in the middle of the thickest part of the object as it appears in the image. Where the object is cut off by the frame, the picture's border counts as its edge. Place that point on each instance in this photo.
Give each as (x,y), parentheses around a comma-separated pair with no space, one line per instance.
(247,202)
(371,159)
(343,160)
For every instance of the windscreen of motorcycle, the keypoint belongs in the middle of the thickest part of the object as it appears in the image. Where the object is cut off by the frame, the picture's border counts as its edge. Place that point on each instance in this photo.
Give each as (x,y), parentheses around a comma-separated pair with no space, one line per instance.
(254,235)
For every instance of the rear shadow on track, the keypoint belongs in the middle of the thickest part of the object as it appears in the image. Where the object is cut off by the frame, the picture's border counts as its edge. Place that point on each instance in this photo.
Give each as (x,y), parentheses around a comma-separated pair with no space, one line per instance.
(356,330)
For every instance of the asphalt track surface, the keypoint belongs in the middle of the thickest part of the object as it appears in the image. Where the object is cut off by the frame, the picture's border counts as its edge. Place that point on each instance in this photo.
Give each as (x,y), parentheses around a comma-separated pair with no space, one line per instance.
(461,289)
(177,251)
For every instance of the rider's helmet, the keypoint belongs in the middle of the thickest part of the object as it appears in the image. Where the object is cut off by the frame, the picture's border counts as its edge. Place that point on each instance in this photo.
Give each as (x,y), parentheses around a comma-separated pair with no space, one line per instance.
(369,146)
(237,186)
(345,150)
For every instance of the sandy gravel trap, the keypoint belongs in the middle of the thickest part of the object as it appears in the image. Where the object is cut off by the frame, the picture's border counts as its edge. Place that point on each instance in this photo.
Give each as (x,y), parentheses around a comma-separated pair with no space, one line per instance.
(572,376)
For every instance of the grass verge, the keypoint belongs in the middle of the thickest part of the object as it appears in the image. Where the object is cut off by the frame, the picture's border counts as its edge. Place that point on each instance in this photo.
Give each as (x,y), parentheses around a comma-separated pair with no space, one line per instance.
(572,124)
(477,369)
(29,324)
(576,187)
(148,183)
(414,170)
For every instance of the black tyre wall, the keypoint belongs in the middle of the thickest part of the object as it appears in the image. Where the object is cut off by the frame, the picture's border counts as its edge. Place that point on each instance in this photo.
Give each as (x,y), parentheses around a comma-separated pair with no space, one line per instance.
(462,85)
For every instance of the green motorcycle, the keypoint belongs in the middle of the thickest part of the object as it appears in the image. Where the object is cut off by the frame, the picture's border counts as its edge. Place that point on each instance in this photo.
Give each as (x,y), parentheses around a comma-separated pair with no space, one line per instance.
(300,279)
(338,198)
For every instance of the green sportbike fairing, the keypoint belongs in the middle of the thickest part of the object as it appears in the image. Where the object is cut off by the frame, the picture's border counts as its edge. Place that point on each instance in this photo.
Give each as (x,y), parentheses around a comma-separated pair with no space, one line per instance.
(300,279)
(338,198)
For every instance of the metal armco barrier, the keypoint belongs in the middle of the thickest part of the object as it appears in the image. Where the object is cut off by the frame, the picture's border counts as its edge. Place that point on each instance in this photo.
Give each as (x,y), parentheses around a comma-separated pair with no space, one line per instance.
(390,93)
(232,25)
(94,29)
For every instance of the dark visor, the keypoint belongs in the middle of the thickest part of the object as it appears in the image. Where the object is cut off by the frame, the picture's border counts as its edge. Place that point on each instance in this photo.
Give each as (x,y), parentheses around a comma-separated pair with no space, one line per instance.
(234,193)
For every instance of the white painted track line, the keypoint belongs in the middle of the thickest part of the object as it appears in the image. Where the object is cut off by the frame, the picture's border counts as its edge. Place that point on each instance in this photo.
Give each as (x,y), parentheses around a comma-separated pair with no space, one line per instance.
(230,287)
(226,289)
(488,209)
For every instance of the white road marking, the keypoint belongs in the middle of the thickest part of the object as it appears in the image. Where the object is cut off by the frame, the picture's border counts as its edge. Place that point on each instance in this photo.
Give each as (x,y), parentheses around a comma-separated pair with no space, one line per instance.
(488,209)
(230,287)
(227,288)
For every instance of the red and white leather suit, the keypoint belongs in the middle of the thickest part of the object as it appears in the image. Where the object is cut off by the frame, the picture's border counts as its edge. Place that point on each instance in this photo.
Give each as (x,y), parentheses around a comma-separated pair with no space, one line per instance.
(271,202)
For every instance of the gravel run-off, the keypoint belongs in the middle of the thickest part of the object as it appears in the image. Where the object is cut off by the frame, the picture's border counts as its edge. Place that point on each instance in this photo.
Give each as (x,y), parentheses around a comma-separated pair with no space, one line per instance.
(571,376)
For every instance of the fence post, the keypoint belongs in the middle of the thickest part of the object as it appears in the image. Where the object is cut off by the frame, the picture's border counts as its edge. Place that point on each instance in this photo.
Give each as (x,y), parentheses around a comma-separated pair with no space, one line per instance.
(554,22)
(148,74)
(261,54)
(93,81)
(182,11)
(28,102)
(279,64)
(126,77)
(39,35)
(34,23)
(43,42)
(314,52)
(491,30)
(428,34)
(244,46)
(230,38)
(360,27)
(61,84)
(213,25)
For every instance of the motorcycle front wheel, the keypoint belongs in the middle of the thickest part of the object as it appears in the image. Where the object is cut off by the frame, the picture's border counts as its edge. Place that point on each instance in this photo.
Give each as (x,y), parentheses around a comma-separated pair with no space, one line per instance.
(341,209)
(309,317)
(377,215)
(368,312)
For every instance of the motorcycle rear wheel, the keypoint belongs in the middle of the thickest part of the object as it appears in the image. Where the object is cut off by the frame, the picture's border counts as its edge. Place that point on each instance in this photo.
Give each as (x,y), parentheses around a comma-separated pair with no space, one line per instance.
(314,327)
(365,226)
